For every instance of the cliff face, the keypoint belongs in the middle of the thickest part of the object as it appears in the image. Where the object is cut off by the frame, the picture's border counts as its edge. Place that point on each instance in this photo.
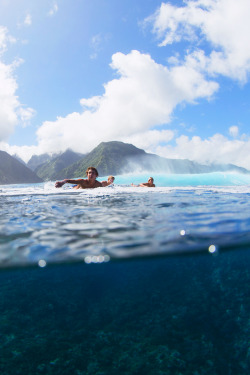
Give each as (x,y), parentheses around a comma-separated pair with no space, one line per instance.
(14,172)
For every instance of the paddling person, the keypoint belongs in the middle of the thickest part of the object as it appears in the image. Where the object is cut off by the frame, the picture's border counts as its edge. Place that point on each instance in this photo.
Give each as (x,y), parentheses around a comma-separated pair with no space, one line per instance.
(89,183)
(110,181)
(150,183)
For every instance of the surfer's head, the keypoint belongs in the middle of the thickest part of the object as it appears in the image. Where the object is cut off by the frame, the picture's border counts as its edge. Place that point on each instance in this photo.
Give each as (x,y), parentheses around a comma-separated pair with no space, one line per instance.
(91,170)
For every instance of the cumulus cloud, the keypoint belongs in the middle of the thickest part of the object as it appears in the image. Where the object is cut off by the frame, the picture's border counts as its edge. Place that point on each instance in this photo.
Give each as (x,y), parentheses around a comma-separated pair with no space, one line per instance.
(216,149)
(145,93)
(24,152)
(143,96)
(224,24)
(11,110)
(150,140)
(140,101)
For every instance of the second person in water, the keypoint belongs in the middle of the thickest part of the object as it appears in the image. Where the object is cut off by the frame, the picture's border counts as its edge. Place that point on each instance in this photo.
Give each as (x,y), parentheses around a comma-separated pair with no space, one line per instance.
(150,183)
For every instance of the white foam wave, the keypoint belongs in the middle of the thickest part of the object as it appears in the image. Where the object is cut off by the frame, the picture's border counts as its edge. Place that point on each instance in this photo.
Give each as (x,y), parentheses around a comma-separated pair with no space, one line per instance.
(213,182)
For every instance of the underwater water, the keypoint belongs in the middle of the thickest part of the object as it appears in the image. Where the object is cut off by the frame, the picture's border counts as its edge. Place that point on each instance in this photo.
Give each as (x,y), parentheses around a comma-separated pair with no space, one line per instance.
(126,280)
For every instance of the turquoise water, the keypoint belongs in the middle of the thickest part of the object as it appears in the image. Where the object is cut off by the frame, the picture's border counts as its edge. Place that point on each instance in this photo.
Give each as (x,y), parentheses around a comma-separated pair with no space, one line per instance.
(174,180)
(126,280)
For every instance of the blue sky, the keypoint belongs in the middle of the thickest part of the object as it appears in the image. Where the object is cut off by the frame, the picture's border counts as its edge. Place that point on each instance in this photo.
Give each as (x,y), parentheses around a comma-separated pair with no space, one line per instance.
(169,77)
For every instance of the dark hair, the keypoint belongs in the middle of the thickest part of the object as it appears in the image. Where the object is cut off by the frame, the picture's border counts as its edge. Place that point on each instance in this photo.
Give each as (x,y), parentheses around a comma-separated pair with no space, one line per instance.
(93,169)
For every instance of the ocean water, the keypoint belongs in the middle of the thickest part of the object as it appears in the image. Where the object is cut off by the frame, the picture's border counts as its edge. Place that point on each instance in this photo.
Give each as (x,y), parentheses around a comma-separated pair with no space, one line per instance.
(126,280)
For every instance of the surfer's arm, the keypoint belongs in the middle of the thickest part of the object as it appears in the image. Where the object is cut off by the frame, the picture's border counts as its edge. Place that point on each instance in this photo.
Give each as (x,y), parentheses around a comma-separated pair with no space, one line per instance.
(59,184)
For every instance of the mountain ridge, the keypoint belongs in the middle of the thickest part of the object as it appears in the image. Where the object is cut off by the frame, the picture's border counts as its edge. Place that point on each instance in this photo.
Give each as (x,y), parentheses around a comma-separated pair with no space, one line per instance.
(13,171)
(113,157)
(50,169)
(119,158)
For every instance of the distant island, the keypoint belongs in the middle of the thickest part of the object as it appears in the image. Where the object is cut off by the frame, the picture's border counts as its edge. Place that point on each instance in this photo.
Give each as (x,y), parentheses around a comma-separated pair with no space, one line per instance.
(113,157)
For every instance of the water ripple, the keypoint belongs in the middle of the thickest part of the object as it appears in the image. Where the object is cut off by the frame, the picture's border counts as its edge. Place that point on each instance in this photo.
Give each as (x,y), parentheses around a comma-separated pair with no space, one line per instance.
(120,223)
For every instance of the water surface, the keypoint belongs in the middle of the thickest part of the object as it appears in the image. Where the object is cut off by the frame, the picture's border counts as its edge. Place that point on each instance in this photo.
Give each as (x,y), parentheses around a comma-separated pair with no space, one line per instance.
(39,222)
(126,280)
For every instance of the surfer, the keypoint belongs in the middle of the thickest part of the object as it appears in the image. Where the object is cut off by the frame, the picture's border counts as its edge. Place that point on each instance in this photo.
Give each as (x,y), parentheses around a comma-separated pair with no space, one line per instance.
(110,181)
(150,183)
(89,183)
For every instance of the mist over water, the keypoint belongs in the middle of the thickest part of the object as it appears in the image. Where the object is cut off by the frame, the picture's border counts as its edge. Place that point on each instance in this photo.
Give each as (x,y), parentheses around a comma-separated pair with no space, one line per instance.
(178,180)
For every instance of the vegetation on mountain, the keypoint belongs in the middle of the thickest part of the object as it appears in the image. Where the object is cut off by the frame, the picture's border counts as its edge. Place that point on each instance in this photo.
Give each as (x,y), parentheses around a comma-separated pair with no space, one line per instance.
(51,169)
(37,160)
(118,158)
(14,172)
(108,158)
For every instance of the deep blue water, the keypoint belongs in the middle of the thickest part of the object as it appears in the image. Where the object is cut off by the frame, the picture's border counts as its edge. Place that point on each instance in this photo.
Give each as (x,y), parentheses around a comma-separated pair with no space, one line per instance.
(124,280)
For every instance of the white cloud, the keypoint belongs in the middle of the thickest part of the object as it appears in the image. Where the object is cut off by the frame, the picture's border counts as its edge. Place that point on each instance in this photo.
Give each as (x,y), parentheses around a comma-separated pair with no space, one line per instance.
(216,149)
(24,152)
(8,100)
(28,20)
(53,10)
(141,100)
(150,140)
(224,24)
(145,93)
(143,96)
(5,38)
(11,110)
(234,131)
(25,114)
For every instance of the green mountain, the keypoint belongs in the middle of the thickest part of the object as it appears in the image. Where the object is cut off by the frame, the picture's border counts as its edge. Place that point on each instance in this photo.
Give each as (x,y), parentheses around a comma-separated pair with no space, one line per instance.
(14,172)
(37,160)
(19,159)
(118,158)
(114,158)
(50,170)
(107,158)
